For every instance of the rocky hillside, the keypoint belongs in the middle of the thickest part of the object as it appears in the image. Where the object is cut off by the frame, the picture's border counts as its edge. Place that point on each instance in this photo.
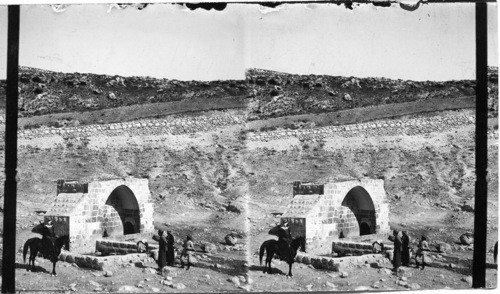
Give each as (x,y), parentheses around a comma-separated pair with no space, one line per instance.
(275,94)
(43,92)
(210,176)
(270,94)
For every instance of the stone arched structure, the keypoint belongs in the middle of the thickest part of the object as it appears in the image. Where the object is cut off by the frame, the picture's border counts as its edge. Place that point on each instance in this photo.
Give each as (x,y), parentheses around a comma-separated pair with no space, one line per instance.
(89,211)
(359,201)
(123,201)
(338,210)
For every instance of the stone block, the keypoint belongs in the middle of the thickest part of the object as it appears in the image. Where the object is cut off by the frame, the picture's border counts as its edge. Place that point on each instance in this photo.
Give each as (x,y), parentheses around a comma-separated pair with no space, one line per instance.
(69,258)
(306,260)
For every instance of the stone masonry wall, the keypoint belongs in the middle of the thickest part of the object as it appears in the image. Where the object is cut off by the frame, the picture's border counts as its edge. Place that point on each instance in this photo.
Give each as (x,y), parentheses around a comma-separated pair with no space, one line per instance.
(338,264)
(413,126)
(346,222)
(354,248)
(374,187)
(93,215)
(185,125)
(328,217)
(170,125)
(106,247)
(101,263)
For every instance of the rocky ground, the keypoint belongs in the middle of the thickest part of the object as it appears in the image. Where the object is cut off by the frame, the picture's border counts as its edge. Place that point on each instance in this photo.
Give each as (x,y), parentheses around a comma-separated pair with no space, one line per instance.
(214,184)
(223,272)
(366,277)
(422,201)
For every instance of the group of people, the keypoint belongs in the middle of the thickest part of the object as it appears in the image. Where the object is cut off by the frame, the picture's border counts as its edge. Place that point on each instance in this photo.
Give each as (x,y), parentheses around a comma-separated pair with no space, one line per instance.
(166,251)
(402,251)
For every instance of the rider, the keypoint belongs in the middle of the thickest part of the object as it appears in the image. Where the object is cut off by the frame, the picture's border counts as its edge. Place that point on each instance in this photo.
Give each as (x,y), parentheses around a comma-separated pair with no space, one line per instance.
(284,239)
(48,234)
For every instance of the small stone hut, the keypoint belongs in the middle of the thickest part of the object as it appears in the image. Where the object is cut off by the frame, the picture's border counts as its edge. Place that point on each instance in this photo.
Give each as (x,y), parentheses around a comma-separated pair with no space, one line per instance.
(324,213)
(97,209)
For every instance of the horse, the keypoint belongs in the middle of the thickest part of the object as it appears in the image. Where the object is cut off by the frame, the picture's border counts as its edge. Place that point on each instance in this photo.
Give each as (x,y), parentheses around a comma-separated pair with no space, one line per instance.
(271,247)
(50,250)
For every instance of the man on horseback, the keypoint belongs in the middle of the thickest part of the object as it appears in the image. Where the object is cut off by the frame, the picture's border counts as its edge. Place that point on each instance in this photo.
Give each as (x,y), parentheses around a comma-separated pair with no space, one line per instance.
(284,240)
(48,236)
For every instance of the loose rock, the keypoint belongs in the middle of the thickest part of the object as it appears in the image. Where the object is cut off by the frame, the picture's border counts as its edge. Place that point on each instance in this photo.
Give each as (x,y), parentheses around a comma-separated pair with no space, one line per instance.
(242,279)
(467,279)
(230,240)
(234,280)
(127,288)
(209,247)
(179,286)
(443,247)
(111,96)
(466,239)
(413,286)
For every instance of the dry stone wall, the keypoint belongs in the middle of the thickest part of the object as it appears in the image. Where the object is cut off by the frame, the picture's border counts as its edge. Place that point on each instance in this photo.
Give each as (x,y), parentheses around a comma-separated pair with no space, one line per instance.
(412,126)
(181,125)
(174,126)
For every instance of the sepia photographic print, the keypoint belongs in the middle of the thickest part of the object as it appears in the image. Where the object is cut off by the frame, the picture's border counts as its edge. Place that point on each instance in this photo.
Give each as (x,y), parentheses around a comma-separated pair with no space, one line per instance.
(247,147)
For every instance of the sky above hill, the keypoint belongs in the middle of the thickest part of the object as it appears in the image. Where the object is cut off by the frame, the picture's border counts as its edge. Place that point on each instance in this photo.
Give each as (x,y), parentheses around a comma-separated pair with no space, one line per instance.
(434,42)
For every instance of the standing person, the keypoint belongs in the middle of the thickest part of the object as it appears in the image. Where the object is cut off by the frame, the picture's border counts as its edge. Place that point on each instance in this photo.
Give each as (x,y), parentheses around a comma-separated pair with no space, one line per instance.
(187,249)
(405,254)
(162,251)
(396,259)
(170,248)
(423,247)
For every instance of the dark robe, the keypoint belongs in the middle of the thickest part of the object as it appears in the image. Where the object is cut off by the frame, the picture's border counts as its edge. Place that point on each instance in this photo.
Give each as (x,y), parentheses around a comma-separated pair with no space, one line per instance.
(170,250)
(396,260)
(284,239)
(405,254)
(162,250)
(48,239)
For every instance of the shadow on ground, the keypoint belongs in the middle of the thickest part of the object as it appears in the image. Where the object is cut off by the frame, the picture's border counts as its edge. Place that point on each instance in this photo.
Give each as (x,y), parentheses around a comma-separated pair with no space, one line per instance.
(260,268)
(37,268)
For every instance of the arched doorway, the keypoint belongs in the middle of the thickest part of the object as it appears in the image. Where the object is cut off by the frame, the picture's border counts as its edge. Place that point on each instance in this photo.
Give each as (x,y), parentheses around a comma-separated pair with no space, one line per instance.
(364,229)
(128,228)
(360,203)
(123,200)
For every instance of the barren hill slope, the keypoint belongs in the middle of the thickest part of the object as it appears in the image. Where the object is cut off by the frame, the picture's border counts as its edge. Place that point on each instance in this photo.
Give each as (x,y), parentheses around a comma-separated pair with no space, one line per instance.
(213,182)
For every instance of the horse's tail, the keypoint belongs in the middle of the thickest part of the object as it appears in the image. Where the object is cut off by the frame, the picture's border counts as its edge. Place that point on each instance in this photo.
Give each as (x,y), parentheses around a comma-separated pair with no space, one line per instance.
(25,250)
(261,252)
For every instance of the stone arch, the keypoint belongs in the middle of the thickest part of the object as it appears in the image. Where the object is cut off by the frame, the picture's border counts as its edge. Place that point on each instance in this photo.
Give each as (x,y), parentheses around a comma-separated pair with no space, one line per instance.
(124,202)
(359,201)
